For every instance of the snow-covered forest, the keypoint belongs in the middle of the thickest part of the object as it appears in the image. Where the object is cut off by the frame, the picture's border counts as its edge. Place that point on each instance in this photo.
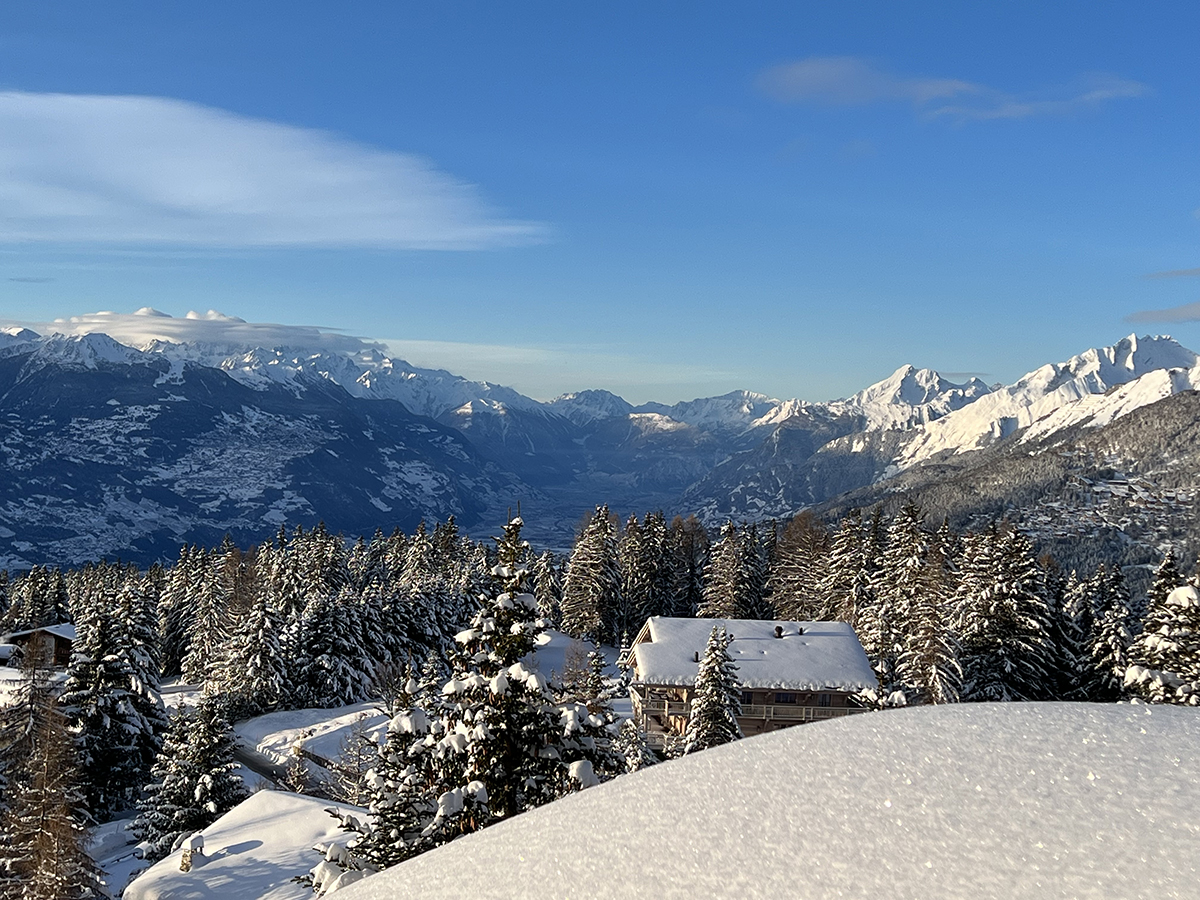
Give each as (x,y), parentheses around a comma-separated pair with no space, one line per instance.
(437,630)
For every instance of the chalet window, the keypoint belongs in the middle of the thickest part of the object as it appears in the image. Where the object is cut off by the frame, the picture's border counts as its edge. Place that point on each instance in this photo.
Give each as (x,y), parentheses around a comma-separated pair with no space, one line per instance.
(747,698)
(826,700)
(785,698)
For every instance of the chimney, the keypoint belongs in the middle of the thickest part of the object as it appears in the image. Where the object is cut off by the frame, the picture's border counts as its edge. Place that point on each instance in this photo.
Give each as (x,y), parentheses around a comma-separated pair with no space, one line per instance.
(778,631)
(696,656)
(800,630)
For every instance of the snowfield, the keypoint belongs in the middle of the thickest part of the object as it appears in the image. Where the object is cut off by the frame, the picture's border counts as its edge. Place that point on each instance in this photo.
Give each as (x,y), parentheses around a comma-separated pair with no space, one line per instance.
(980,801)
(251,853)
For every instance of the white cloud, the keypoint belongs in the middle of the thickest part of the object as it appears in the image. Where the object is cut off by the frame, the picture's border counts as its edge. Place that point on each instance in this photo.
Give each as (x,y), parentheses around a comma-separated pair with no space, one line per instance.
(850,81)
(158,171)
(147,325)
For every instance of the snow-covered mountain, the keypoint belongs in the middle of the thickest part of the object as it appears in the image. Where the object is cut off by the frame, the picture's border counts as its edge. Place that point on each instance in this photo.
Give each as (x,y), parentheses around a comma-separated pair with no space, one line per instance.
(739,455)
(1043,392)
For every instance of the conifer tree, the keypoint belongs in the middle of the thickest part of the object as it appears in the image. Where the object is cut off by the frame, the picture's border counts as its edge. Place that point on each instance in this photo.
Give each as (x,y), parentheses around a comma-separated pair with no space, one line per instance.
(547,587)
(724,577)
(1003,620)
(1111,636)
(798,579)
(253,675)
(1164,661)
(101,710)
(631,744)
(928,667)
(42,837)
(206,620)
(591,602)
(717,702)
(688,550)
(192,782)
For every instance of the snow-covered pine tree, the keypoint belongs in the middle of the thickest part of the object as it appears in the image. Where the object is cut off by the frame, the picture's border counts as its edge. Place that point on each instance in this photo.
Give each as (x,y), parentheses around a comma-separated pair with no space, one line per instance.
(101,710)
(206,620)
(136,645)
(845,588)
(592,590)
(928,665)
(757,551)
(547,587)
(252,676)
(798,578)
(717,701)
(1071,638)
(1003,620)
(192,782)
(42,836)
(724,584)
(1112,634)
(1164,660)
(631,744)
(331,666)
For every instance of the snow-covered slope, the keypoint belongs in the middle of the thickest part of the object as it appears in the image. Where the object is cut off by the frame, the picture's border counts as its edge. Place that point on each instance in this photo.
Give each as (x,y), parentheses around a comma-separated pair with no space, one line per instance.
(911,396)
(253,852)
(583,407)
(1044,391)
(1098,410)
(975,800)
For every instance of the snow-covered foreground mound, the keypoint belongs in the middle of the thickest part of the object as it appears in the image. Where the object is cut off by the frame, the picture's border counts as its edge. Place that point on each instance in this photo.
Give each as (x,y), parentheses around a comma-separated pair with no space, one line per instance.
(251,853)
(1013,800)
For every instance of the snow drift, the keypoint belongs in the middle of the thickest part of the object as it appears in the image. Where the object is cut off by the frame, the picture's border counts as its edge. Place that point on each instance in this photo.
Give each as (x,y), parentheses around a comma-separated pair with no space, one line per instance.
(1012,800)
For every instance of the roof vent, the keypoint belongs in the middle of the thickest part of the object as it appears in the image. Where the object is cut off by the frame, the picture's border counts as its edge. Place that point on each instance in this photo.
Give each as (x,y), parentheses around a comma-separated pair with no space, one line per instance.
(800,630)
(778,631)
(696,656)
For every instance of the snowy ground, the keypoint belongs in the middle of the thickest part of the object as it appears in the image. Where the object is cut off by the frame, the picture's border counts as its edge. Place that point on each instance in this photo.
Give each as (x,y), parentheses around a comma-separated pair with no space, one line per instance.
(981,801)
(251,853)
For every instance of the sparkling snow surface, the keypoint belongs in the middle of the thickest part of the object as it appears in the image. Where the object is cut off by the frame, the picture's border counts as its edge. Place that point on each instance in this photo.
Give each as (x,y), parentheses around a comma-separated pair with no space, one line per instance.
(250,853)
(826,655)
(976,801)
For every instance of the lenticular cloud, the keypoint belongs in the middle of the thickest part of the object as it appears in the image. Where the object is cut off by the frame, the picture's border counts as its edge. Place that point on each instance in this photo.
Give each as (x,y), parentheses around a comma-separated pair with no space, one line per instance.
(153,170)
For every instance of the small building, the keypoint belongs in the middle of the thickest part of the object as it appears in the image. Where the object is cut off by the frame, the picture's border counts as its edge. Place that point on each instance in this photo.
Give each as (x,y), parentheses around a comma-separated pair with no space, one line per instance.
(56,641)
(789,672)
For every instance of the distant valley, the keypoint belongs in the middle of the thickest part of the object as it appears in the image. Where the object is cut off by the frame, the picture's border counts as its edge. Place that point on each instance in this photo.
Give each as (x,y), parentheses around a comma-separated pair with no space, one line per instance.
(114,451)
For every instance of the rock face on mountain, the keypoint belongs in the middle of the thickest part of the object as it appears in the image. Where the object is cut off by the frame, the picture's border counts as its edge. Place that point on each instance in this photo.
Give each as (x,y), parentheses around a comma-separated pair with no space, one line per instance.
(111,449)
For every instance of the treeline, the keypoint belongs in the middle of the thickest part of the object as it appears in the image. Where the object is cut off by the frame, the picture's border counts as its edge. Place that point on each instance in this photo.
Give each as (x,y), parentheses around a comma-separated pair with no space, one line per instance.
(435,626)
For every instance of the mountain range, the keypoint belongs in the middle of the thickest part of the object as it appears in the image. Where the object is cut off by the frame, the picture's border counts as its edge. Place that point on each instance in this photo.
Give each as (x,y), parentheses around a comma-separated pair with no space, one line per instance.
(131,448)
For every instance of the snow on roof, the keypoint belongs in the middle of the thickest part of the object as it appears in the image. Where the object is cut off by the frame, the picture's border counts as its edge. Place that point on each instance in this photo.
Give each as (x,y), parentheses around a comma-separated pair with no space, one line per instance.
(251,853)
(979,800)
(826,656)
(65,631)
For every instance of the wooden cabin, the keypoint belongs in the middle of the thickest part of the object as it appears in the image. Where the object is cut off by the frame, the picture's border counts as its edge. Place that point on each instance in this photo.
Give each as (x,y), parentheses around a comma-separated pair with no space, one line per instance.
(55,641)
(789,672)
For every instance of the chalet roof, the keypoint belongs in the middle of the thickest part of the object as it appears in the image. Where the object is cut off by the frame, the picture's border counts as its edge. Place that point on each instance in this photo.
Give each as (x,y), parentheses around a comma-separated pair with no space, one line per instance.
(66,631)
(826,656)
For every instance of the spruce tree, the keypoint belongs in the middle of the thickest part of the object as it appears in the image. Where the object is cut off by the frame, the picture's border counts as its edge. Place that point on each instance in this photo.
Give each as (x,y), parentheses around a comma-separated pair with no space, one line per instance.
(1003,620)
(716,703)
(1111,636)
(192,781)
(1164,660)
(724,577)
(253,674)
(591,602)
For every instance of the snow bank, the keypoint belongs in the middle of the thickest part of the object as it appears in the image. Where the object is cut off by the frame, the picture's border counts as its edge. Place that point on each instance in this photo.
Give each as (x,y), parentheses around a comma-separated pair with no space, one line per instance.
(250,853)
(980,801)
(322,732)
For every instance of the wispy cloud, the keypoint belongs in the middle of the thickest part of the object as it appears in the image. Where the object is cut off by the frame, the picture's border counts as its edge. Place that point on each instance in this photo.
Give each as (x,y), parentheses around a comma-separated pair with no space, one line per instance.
(545,372)
(851,81)
(122,170)
(1189,312)
(1176,273)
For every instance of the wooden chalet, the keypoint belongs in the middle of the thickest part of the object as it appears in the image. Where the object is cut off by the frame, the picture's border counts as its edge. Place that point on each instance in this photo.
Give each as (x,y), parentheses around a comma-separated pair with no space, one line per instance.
(55,641)
(789,672)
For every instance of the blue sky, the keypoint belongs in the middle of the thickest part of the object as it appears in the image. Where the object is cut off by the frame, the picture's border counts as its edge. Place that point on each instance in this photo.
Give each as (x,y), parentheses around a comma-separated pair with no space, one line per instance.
(666,200)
